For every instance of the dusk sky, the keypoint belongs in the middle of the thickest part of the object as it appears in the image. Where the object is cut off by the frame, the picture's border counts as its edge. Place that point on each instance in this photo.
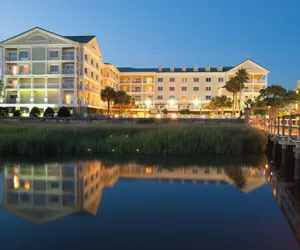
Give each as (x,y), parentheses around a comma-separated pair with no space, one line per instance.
(149,33)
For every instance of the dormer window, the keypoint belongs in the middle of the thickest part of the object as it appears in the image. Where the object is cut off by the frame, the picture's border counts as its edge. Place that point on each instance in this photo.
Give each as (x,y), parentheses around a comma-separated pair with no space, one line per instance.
(183,69)
(172,69)
(160,68)
(220,69)
(207,68)
(195,68)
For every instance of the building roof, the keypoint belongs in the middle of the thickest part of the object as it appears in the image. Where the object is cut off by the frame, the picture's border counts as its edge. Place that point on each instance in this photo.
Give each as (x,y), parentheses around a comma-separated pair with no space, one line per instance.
(80,39)
(166,70)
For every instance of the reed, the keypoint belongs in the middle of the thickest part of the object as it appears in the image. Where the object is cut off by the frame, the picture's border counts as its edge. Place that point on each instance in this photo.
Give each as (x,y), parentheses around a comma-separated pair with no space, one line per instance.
(34,139)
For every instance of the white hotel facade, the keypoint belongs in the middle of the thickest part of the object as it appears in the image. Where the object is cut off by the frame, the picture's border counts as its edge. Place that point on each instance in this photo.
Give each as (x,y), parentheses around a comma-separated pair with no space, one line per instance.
(44,69)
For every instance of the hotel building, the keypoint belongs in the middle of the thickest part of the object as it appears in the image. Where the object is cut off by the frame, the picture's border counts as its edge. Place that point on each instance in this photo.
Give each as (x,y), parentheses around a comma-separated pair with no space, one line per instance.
(44,69)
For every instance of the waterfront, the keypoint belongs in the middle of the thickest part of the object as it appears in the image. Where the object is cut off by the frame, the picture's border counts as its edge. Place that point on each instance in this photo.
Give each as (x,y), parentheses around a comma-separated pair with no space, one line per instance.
(141,204)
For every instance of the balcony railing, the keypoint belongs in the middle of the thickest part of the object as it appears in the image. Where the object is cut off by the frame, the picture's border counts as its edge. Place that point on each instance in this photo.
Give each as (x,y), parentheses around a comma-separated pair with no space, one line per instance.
(251,90)
(24,72)
(53,72)
(11,73)
(39,85)
(11,86)
(257,81)
(68,85)
(24,58)
(68,71)
(10,101)
(53,58)
(12,58)
(68,57)
(25,85)
(52,85)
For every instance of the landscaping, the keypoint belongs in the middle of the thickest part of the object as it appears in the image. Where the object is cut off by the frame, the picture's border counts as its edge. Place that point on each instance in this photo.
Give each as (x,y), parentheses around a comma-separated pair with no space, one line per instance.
(42,139)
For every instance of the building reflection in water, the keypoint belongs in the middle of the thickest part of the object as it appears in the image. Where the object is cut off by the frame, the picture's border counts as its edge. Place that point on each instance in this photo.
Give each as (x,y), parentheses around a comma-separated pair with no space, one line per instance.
(47,192)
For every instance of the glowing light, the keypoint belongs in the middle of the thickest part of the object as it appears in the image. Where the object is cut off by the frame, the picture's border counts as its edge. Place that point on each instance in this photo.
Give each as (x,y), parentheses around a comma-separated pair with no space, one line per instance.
(147,102)
(111,136)
(16,182)
(174,116)
(137,150)
(89,149)
(172,102)
(148,170)
(266,166)
(113,150)
(126,135)
(271,173)
(116,116)
(158,116)
(196,102)
(27,185)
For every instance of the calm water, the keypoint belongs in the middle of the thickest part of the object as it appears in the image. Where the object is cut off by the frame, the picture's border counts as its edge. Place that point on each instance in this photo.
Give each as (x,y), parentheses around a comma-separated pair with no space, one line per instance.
(143,204)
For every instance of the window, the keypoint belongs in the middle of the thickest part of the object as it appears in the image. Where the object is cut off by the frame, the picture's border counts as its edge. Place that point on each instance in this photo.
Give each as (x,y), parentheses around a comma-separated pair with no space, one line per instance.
(160,79)
(92,62)
(159,97)
(171,97)
(183,88)
(220,79)
(92,74)
(85,57)
(184,79)
(208,88)
(54,199)
(85,70)
(172,79)
(97,65)
(196,79)
(54,68)
(137,89)
(160,88)
(54,185)
(138,98)
(183,97)
(207,98)
(196,88)
(25,69)
(208,79)
(23,55)
(97,77)
(53,54)
(172,88)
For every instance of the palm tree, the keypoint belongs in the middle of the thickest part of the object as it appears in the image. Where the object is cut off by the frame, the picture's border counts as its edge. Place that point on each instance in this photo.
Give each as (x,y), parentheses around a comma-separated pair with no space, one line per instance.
(221,102)
(108,94)
(232,86)
(241,76)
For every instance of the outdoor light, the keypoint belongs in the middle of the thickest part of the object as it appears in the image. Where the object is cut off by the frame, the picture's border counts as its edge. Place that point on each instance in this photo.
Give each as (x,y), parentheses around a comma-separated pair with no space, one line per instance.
(46,99)
(116,116)
(271,173)
(266,166)
(31,99)
(1,99)
(196,102)
(172,102)
(147,102)
(158,116)
(174,116)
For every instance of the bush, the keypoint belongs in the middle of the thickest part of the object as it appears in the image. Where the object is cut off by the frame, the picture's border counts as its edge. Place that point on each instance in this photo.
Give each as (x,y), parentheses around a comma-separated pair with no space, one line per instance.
(49,112)
(63,112)
(185,112)
(3,111)
(35,111)
(17,113)
(164,111)
(145,120)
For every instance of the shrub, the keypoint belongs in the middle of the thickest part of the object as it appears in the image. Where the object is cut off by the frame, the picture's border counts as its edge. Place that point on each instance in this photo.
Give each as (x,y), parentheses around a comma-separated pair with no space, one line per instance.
(35,111)
(49,112)
(145,120)
(3,111)
(164,111)
(185,112)
(63,112)
(17,113)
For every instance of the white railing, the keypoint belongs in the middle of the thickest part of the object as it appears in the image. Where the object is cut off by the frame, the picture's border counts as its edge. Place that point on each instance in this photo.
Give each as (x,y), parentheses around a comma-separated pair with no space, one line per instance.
(53,58)
(53,72)
(68,85)
(12,58)
(39,85)
(68,57)
(25,85)
(52,85)
(68,71)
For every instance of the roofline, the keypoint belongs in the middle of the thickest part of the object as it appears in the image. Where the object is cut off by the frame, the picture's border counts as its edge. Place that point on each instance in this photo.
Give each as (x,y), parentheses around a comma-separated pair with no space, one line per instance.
(251,61)
(34,29)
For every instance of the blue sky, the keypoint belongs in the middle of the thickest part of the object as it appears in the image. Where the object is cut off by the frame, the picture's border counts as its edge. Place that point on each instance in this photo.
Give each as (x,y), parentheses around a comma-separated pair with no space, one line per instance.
(149,33)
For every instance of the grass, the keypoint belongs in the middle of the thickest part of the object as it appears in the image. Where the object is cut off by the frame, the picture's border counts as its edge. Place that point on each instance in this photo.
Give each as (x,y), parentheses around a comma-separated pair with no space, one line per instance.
(40,139)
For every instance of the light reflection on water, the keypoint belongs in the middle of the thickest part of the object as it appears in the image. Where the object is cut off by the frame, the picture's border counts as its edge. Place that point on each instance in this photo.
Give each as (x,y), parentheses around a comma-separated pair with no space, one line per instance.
(45,193)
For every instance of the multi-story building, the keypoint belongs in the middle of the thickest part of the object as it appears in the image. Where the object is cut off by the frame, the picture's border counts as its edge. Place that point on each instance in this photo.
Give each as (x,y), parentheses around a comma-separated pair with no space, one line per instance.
(43,69)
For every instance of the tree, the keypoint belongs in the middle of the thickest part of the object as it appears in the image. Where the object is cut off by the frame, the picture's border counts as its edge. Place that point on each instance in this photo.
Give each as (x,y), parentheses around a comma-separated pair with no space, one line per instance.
(4,111)
(122,98)
(108,94)
(220,102)
(63,112)
(49,112)
(35,111)
(233,87)
(241,76)
(17,113)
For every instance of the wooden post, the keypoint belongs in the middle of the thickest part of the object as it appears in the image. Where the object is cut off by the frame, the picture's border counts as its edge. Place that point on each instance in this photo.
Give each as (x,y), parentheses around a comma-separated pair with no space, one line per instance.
(283,126)
(290,125)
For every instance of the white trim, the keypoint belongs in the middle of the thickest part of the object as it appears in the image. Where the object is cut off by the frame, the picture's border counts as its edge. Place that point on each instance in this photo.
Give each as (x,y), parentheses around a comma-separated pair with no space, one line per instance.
(46,38)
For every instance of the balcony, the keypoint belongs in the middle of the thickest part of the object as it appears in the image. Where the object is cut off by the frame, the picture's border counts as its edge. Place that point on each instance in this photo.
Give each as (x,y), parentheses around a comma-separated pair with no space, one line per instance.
(124,81)
(10,73)
(10,101)
(24,72)
(12,58)
(52,85)
(25,86)
(68,85)
(53,58)
(39,85)
(68,57)
(256,82)
(53,72)
(24,59)
(251,90)
(11,86)
(68,71)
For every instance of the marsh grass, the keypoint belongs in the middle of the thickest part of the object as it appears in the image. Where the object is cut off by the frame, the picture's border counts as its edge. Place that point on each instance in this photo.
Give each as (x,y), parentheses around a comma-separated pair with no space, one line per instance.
(35,139)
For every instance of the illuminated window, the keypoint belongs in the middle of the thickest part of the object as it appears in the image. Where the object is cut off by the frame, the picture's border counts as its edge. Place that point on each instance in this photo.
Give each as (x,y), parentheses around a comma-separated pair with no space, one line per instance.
(171,97)
(159,97)
(183,97)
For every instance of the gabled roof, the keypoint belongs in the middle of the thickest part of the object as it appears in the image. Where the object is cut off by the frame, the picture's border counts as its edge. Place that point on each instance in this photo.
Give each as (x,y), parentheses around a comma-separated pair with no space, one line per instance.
(80,39)
(249,60)
(176,70)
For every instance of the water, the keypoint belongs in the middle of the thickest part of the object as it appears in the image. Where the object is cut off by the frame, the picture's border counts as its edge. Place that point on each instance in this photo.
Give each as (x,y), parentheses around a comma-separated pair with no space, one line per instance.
(146,204)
